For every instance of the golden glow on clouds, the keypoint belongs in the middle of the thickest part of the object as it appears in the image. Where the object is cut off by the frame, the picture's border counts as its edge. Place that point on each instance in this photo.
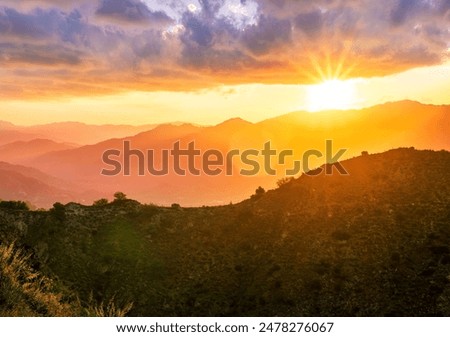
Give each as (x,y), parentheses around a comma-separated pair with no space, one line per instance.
(253,102)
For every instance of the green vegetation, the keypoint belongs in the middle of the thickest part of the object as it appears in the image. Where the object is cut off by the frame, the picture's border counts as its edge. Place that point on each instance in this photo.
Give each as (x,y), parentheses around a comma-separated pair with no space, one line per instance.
(14,205)
(26,292)
(120,196)
(373,243)
(101,202)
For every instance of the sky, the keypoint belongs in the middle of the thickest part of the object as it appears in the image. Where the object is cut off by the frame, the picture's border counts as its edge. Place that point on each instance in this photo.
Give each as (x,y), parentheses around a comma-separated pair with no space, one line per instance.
(204,61)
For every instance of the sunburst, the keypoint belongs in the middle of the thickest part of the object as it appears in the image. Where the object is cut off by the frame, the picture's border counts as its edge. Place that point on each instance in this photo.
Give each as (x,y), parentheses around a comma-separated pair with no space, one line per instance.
(332,89)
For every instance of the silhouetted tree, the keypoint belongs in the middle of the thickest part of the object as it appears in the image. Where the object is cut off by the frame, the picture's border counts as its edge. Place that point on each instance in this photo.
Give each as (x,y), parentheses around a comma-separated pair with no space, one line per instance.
(284,181)
(258,193)
(16,205)
(58,211)
(120,196)
(101,202)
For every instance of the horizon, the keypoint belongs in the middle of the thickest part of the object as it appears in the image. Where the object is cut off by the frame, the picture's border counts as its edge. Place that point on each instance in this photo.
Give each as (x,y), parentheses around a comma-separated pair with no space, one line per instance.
(186,122)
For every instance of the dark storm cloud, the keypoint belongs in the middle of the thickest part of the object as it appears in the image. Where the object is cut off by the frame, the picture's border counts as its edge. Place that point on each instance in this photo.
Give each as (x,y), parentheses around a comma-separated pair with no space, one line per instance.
(154,44)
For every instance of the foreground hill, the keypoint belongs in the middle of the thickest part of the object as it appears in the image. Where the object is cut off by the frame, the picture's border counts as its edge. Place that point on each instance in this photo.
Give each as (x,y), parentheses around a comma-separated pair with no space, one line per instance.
(375,242)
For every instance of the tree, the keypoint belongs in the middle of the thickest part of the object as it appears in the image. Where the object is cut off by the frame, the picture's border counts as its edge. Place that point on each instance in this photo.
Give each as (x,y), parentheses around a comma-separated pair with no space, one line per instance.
(284,181)
(58,211)
(101,202)
(14,205)
(120,196)
(258,193)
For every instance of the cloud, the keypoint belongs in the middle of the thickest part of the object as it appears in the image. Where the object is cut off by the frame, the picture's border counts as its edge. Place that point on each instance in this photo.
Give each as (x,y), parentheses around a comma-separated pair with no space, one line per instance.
(130,11)
(115,45)
(29,54)
(403,9)
(197,31)
(34,26)
(270,33)
(310,23)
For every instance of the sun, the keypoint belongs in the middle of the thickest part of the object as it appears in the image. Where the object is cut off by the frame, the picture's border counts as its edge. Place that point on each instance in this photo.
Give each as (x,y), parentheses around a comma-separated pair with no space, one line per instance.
(331,95)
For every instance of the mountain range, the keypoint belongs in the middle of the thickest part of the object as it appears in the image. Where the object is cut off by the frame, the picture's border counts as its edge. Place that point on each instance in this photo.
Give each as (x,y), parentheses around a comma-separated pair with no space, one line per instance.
(376,129)
(67,132)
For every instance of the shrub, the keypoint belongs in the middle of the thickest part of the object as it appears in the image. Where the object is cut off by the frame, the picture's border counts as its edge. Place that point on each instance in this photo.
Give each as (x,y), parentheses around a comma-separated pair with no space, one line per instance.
(258,193)
(58,211)
(100,202)
(285,181)
(14,205)
(120,196)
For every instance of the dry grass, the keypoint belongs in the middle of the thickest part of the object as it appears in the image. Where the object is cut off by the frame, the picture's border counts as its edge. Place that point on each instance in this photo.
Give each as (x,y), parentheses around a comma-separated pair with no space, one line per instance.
(24,291)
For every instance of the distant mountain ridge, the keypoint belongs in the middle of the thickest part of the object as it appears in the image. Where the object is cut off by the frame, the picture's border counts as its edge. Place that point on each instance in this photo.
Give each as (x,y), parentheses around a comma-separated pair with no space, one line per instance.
(375,129)
(24,151)
(19,182)
(73,132)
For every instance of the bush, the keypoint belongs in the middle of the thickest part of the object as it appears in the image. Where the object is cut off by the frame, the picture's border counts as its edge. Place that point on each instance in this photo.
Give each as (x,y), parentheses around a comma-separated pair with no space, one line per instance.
(258,193)
(58,211)
(100,202)
(14,205)
(285,181)
(120,196)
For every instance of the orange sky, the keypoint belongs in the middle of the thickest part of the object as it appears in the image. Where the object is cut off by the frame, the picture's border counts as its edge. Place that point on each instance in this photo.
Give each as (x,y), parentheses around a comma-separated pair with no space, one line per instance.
(154,61)
(429,85)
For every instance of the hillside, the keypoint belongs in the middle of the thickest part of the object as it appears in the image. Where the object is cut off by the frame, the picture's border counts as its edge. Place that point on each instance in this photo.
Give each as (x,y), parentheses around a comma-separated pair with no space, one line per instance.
(375,242)
(8,135)
(23,151)
(19,182)
(375,129)
(68,132)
